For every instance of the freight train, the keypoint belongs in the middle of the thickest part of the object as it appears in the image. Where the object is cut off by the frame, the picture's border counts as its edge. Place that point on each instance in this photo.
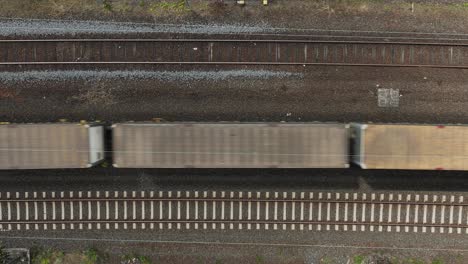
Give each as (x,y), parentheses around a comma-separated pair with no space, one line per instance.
(235,145)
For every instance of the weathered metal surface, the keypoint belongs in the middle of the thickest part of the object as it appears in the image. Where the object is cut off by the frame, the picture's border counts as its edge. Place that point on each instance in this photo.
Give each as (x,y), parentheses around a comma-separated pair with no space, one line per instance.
(41,146)
(425,147)
(230,145)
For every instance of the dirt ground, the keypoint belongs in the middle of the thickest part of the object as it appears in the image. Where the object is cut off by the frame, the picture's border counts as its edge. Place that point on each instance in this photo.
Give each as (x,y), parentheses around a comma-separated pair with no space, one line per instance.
(259,253)
(344,94)
(364,15)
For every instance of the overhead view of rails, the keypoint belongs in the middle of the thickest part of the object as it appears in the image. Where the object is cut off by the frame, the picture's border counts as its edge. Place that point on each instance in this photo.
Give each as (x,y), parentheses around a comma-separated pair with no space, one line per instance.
(189,131)
(387,52)
(234,210)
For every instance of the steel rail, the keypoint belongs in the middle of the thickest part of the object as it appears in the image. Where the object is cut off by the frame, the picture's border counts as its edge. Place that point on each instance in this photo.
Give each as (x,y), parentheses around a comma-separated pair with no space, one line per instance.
(355,37)
(216,199)
(242,41)
(236,63)
(228,221)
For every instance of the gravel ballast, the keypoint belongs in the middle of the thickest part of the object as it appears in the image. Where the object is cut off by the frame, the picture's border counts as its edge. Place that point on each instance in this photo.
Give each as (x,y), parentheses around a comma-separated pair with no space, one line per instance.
(17,27)
(167,76)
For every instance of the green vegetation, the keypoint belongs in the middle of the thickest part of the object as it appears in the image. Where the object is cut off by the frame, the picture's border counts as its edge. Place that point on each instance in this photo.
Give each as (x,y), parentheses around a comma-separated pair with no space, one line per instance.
(326,260)
(359,259)
(51,256)
(3,255)
(259,259)
(388,258)
(137,259)
(92,256)
(437,261)
(107,5)
(413,261)
(178,6)
(458,6)
(385,258)
(47,256)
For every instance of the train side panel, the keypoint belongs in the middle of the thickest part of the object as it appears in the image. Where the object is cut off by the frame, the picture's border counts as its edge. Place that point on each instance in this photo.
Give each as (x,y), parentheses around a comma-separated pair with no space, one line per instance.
(50,146)
(230,145)
(419,147)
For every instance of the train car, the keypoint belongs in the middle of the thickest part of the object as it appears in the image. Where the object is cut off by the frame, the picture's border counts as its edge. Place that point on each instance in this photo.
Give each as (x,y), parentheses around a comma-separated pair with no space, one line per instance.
(50,146)
(230,145)
(419,147)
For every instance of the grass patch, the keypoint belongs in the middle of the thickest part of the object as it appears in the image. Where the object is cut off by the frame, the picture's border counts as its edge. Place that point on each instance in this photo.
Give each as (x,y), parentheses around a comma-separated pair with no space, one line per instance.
(359,259)
(169,8)
(462,7)
(107,5)
(384,258)
(437,261)
(326,260)
(3,255)
(93,256)
(134,258)
(413,261)
(259,259)
(47,256)
(88,256)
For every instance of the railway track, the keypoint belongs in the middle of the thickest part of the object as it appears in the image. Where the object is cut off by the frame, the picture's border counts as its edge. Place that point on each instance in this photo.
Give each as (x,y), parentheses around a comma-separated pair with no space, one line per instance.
(378,53)
(304,211)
